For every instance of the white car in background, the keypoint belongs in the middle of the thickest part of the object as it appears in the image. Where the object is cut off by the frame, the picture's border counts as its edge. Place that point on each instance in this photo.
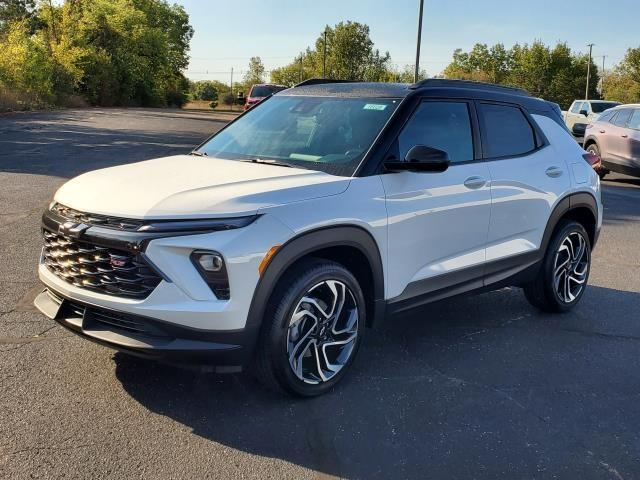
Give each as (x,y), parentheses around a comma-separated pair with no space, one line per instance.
(584,112)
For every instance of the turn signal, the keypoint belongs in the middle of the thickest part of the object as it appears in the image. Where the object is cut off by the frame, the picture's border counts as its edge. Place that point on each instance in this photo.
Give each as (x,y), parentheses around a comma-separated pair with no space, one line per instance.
(267,258)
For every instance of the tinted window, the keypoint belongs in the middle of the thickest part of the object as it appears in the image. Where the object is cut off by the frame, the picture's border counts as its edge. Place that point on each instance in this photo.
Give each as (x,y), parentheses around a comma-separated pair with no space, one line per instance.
(506,131)
(442,125)
(264,90)
(634,121)
(623,116)
(606,116)
(602,106)
(577,106)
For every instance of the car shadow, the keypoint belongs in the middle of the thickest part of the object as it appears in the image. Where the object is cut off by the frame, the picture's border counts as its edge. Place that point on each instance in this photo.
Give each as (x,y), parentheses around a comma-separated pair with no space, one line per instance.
(461,388)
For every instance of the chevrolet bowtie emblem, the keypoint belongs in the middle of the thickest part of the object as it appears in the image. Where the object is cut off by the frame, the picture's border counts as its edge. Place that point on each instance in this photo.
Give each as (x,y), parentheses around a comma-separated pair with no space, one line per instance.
(72,229)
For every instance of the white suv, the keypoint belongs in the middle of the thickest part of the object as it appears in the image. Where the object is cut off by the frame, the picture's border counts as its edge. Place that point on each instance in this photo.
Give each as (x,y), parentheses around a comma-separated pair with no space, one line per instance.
(320,212)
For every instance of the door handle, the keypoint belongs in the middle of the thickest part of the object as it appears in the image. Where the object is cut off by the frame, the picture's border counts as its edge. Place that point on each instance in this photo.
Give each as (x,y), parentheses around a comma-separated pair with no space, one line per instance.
(553,172)
(624,135)
(601,131)
(474,182)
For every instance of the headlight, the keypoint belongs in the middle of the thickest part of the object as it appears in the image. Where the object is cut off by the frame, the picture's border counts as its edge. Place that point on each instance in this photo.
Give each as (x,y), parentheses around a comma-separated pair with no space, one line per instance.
(213,270)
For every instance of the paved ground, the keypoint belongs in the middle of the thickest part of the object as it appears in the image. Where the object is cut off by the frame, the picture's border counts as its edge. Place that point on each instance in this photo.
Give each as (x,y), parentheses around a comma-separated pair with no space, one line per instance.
(479,387)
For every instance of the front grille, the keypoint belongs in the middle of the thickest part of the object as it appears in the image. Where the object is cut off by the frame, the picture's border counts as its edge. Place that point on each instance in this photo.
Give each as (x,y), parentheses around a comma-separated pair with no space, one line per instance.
(105,270)
(94,219)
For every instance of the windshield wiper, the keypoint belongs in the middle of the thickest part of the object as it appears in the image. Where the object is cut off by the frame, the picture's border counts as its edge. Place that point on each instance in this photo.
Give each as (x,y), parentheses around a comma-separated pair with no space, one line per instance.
(199,154)
(268,162)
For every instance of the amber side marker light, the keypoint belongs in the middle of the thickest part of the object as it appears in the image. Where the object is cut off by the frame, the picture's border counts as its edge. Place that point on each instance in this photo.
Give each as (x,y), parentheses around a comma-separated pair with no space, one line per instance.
(267,258)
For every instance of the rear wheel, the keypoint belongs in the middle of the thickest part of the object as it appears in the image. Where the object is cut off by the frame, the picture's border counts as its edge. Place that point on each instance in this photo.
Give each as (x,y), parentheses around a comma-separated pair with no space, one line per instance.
(564,273)
(313,332)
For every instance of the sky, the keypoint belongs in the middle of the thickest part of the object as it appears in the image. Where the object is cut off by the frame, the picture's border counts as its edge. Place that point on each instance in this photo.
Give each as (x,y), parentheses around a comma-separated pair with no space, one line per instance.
(227,33)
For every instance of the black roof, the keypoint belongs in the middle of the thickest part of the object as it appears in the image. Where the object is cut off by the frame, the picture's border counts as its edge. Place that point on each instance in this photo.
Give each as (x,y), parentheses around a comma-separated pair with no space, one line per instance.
(328,88)
(435,87)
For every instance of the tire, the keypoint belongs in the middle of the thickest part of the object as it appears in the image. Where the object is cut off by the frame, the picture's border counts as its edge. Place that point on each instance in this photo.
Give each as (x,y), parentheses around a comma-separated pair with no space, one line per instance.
(297,351)
(563,275)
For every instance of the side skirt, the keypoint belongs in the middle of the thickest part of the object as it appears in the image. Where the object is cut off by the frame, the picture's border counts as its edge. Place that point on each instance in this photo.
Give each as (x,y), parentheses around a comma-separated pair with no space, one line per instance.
(512,271)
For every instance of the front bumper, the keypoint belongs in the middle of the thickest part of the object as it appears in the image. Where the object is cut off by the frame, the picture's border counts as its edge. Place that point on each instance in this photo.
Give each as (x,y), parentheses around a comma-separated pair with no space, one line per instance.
(223,352)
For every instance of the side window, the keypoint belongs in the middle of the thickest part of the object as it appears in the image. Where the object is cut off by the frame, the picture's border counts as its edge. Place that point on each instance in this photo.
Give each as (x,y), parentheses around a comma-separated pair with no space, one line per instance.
(586,106)
(506,131)
(634,121)
(606,116)
(442,125)
(576,107)
(622,117)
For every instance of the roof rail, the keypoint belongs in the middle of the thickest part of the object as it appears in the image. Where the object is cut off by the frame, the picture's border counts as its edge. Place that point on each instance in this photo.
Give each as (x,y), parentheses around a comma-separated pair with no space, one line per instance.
(319,81)
(445,82)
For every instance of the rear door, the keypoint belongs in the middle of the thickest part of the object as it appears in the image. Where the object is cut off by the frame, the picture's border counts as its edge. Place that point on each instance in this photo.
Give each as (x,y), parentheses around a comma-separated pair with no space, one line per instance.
(527,178)
(617,139)
(633,141)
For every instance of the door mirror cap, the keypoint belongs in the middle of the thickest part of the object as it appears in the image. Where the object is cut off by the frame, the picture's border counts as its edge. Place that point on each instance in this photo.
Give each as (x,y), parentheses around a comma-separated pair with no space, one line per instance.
(584,112)
(420,158)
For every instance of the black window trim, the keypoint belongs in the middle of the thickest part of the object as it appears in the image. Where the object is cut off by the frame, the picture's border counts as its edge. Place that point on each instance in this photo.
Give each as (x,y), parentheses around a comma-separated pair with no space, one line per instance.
(539,138)
(473,119)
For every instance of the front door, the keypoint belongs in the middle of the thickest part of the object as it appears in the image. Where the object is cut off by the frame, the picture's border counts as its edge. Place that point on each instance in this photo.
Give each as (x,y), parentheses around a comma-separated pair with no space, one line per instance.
(437,222)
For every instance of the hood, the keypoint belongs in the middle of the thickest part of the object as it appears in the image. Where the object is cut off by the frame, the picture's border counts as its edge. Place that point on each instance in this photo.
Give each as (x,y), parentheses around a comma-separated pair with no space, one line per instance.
(188,186)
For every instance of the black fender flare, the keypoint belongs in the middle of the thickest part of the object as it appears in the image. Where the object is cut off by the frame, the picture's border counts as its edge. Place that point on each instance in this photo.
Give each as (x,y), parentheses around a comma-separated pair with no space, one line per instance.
(305,244)
(568,203)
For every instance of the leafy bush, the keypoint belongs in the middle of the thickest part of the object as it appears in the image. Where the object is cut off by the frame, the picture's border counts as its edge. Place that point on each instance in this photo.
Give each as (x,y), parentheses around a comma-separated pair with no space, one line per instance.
(111,52)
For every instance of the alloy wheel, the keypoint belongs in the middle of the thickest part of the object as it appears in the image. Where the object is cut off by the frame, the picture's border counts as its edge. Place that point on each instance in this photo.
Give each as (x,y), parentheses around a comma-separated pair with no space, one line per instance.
(322,332)
(571,267)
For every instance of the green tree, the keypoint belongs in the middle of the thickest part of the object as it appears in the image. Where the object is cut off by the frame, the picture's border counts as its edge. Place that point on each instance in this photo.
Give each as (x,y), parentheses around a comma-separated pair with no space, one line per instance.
(254,74)
(111,52)
(15,11)
(623,83)
(350,56)
(556,74)
(204,90)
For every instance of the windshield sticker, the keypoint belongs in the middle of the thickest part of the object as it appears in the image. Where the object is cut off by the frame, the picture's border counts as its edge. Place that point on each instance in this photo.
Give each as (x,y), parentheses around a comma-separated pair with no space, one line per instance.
(374,106)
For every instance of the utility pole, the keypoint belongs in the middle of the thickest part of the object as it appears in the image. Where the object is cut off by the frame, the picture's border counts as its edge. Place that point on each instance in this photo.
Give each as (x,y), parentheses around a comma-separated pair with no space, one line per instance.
(300,75)
(232,99)
(602,77)
(324,57)
(416,73)
(586,92)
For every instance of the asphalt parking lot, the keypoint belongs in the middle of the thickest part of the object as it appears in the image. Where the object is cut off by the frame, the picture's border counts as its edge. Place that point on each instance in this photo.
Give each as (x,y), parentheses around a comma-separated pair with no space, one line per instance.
(477,387)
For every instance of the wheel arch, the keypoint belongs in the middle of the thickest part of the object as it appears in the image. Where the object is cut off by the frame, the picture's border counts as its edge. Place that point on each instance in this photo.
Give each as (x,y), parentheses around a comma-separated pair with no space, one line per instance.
(581,207)
(352,246)
(590,141)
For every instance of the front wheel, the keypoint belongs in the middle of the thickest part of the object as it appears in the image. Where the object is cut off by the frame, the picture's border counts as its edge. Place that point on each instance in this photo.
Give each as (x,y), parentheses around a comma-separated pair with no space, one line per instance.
(564,273)
(313,331)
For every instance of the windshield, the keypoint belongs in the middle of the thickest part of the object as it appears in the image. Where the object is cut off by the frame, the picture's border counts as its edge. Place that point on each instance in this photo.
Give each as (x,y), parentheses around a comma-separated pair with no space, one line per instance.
(600,107)
(264,90)
(329,134)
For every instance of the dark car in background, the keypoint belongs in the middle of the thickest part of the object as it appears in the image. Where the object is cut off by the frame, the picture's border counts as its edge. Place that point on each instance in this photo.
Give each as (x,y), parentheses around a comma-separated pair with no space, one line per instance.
(615,138)
(259,92)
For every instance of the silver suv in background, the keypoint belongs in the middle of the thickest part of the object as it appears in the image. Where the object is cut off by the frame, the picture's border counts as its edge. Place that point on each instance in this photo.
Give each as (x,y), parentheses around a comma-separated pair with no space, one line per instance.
(615,138)
(584,112)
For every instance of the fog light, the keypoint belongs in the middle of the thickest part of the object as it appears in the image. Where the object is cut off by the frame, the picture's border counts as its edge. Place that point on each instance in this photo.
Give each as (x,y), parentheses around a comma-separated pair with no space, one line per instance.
(210,262)
(212,268)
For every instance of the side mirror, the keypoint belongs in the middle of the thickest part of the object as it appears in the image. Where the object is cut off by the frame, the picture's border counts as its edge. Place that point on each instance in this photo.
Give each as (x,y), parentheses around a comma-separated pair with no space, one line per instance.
(584,112)
(420,158)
